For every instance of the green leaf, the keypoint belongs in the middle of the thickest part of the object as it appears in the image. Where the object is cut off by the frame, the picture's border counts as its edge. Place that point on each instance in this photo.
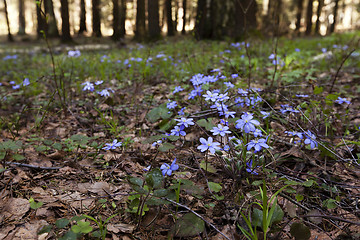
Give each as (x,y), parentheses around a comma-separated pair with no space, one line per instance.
(157,113)
(318,90)
(187,226)
(70,235)
(18,157)
(308,183)
(161,192)
(57,146)
(34,204)
(299,231)
(206,123)
(82,227)
(166,147)
(214,187)
(209,168)
(330,203)
(154,178)
(45,229)
(257,183)
(135,181)
(257,217)
(299,197)
(61,223)
(78,218)
(277,215)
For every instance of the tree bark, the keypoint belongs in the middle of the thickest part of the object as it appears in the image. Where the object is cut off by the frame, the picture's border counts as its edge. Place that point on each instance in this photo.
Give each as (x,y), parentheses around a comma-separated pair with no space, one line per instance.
(22,23)
(299,9)
(200,21)
(169,20)
(140,21)
(184,17)
(116,20)
(309,14)
(65,18)
(10,37)
(122,18)
(318,14)
(40,21)
(153,19)
(96,22)
(82,17)
(51,26)
(335,13)
(245,17)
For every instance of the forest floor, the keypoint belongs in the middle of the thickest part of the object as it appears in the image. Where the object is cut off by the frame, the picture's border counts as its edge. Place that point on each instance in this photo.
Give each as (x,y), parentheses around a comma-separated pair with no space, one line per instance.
(214,140)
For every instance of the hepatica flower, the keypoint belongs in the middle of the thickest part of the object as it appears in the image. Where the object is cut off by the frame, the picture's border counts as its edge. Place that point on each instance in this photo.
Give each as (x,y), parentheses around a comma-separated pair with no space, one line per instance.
(247,123)
(105,92)
(265,114)
(229,84)
(171,105)
(257,144)
(185,122)
(177,131)
(167,169)
(74,53)
(111,146)
(208,145)
(250,169)
(178,89)
(286,108)
(211,96)
(341,100)
(310,139)
(220,130)
(88,86)
(26,82)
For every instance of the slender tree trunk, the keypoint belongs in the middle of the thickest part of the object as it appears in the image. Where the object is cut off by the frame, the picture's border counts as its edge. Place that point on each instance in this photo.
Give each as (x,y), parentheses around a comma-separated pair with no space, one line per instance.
(116,20)
(184,17)
(318,14)
(96,22)
(153,19)
(309,14)
(169,20)
(335,13)
(51,26)
(245,17)
(200,21)
(122,18)
(65,19)
(82,17)
(22,23)
(10,37)
(140,21)
(299,9)
(40,21)
(176,21)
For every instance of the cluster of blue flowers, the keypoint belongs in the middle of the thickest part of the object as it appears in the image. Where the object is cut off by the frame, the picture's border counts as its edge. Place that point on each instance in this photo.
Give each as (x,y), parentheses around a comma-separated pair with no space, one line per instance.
(89,86)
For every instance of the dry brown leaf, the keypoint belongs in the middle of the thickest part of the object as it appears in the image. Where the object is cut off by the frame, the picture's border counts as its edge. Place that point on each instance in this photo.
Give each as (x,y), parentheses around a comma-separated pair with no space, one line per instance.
(15,208)
(120,227)
(100,188)
(27,231)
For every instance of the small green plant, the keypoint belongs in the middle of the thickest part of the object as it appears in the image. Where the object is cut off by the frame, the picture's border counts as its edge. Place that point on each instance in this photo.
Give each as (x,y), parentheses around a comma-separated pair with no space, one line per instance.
(101,233)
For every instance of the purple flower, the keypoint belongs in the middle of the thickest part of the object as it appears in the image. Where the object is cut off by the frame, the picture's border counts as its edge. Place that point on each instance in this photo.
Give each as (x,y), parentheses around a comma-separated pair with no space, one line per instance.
(211,96)
(227,113)
(157,143)
(235,75)
(197,79)
(302,95)
(88,86)
(247,123)
(75,53)
(229,84)
(250,169)
(242,92)
(178,89)
(26,82)
(99,82)
(257,144)
(342,100)
(298,134)
(257,133)
(171,105)
(265,114)
(286,108)
(208,145)
(185,122)
(221,130)
(177,131)
(167,169)
(110,146)
(16,86)
(310,139)
(226,148)
(196,92)
(105,92)
(181,112)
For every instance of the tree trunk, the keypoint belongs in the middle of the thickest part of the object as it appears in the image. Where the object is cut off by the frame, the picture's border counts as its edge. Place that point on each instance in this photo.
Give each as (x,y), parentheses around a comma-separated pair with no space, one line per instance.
(51,26)
(116,20)
(22,23)
(245,17)
(40,21)
(309,14)
(96,22)
(140,21)
(82,17)
(300,5)
(184,17)
(200,21)
(318,14)
(153,19)
(169,20)
(335,13)
(10,37)
(65,19)
(176,21)
(122,18)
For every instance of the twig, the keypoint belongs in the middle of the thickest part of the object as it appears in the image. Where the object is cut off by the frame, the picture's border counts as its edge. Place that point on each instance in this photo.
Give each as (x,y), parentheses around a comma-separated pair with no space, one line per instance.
(331,217)
(339,68)
(198,215)
(33,166)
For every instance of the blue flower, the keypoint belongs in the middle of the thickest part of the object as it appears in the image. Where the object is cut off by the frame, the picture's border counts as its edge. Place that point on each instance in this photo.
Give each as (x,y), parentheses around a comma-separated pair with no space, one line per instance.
(235,75)
(250,169)
(157,143)
(178,89)
(181,112)
(227,113)
(221,130)
(211,96)
(26,82)
(167,169)
(242,92)
(286,108)
(171,105)
(257,144)
(310,139)
(229,84)
(208,145)
(247,123)
(226,148)
(177,131)
(302,95)
(105,92)
(74,53)
(196,92)
(16,86)
(342,100)
(197,79)
(99,82)
(298,134)
(110,146)
(265,114)
(88,86)
(257,133)
(185,122)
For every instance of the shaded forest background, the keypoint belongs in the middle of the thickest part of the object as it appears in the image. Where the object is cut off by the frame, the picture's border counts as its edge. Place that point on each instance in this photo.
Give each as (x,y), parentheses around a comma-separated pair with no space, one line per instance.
(145,20)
